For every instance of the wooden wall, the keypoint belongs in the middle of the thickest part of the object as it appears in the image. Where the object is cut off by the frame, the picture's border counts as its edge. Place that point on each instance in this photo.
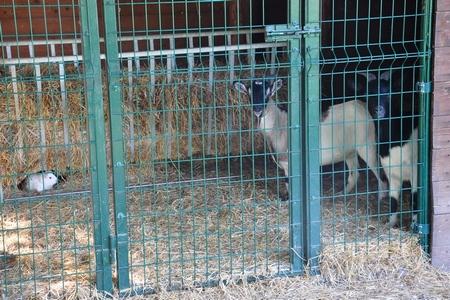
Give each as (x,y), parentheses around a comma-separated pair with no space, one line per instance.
(441,139)
(59,19)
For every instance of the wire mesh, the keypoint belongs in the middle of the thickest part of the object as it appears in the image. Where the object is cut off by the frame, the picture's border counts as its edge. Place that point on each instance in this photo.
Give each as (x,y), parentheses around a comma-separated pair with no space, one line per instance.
(197,191)
(46,236)
(376,52)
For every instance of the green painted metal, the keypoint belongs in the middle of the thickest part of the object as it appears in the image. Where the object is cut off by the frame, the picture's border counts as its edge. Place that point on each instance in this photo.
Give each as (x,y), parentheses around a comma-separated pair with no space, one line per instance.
(117,144)
(204,214)
(424,158)
(311,133)
(98,167)
(295,146)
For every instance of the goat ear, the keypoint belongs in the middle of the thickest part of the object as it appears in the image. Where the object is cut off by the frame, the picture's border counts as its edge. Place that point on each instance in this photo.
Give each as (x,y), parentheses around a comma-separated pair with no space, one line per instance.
(359,85)
(368,75)
(240,87)
(386,75)
(275,86)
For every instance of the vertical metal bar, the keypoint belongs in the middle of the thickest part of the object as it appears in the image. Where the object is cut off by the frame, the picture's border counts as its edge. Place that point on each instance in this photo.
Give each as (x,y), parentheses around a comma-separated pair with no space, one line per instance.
(52,50)
(152,69)
(311,128)
(295,180)
(190,59)
(43,140)
(75,52)
(137,61)
(423,174)
(117,144)
(62,84)
(252,62)
(130,104)
(97,141)
(37,75)
(231,57)
(12,70)
(248,41)
(169,67)
(210,88)
(173,57)
(1,193)
(273,60)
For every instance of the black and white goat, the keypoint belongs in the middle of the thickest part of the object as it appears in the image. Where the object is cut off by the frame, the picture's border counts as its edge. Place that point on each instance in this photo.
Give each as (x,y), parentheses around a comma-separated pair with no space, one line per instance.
(346,130)
(397,130)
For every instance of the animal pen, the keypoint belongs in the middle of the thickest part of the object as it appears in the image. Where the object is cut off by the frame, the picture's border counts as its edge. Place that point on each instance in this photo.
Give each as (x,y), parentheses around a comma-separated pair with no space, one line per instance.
(169,182)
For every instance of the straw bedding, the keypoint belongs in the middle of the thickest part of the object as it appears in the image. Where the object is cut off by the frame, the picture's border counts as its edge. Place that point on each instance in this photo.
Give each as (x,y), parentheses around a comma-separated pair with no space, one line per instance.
(181,234)
(225,231)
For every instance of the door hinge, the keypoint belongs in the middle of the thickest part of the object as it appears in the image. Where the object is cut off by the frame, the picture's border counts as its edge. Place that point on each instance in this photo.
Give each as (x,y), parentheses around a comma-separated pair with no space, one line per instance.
(421,228)
(283,32)
(423,87)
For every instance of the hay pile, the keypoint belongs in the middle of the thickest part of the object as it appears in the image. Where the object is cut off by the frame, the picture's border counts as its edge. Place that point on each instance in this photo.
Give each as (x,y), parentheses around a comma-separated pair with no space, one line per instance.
(389,270)
(173,121)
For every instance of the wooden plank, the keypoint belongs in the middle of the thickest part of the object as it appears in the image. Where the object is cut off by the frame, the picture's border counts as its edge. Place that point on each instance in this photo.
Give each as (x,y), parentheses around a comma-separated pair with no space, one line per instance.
(441,225)
(440,258)
(441,69)
(441,94)
(443,5)
(441,132)
(25,11)
(39,25)
(37,2)
(441,197)
(442,36)
(440,158)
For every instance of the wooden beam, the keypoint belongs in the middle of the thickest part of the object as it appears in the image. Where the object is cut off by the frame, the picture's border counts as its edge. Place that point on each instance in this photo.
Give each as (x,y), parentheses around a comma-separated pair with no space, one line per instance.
(441,69)
(441,94)
(443,5)
(439,258)
(441,194)
(441,131)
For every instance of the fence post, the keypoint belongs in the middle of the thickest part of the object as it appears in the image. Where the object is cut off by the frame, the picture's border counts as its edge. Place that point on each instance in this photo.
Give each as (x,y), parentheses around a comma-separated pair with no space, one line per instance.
(295,149)
(423,169)
(117,143)
(311,134)
(97,142)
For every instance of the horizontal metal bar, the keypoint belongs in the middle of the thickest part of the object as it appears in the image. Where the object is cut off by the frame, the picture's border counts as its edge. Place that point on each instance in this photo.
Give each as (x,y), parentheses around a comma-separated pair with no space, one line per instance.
(133,38)
(168,52)
(201,50)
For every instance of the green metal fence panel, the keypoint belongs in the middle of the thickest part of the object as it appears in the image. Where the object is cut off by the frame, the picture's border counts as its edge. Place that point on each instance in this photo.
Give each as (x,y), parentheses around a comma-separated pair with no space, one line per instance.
(54,239)
(202,198)
(198,172)
(370,53)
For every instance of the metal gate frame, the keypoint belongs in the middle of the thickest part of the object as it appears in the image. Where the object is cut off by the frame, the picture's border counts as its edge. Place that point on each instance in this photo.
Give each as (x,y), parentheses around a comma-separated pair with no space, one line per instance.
(97,143)
(304,111)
